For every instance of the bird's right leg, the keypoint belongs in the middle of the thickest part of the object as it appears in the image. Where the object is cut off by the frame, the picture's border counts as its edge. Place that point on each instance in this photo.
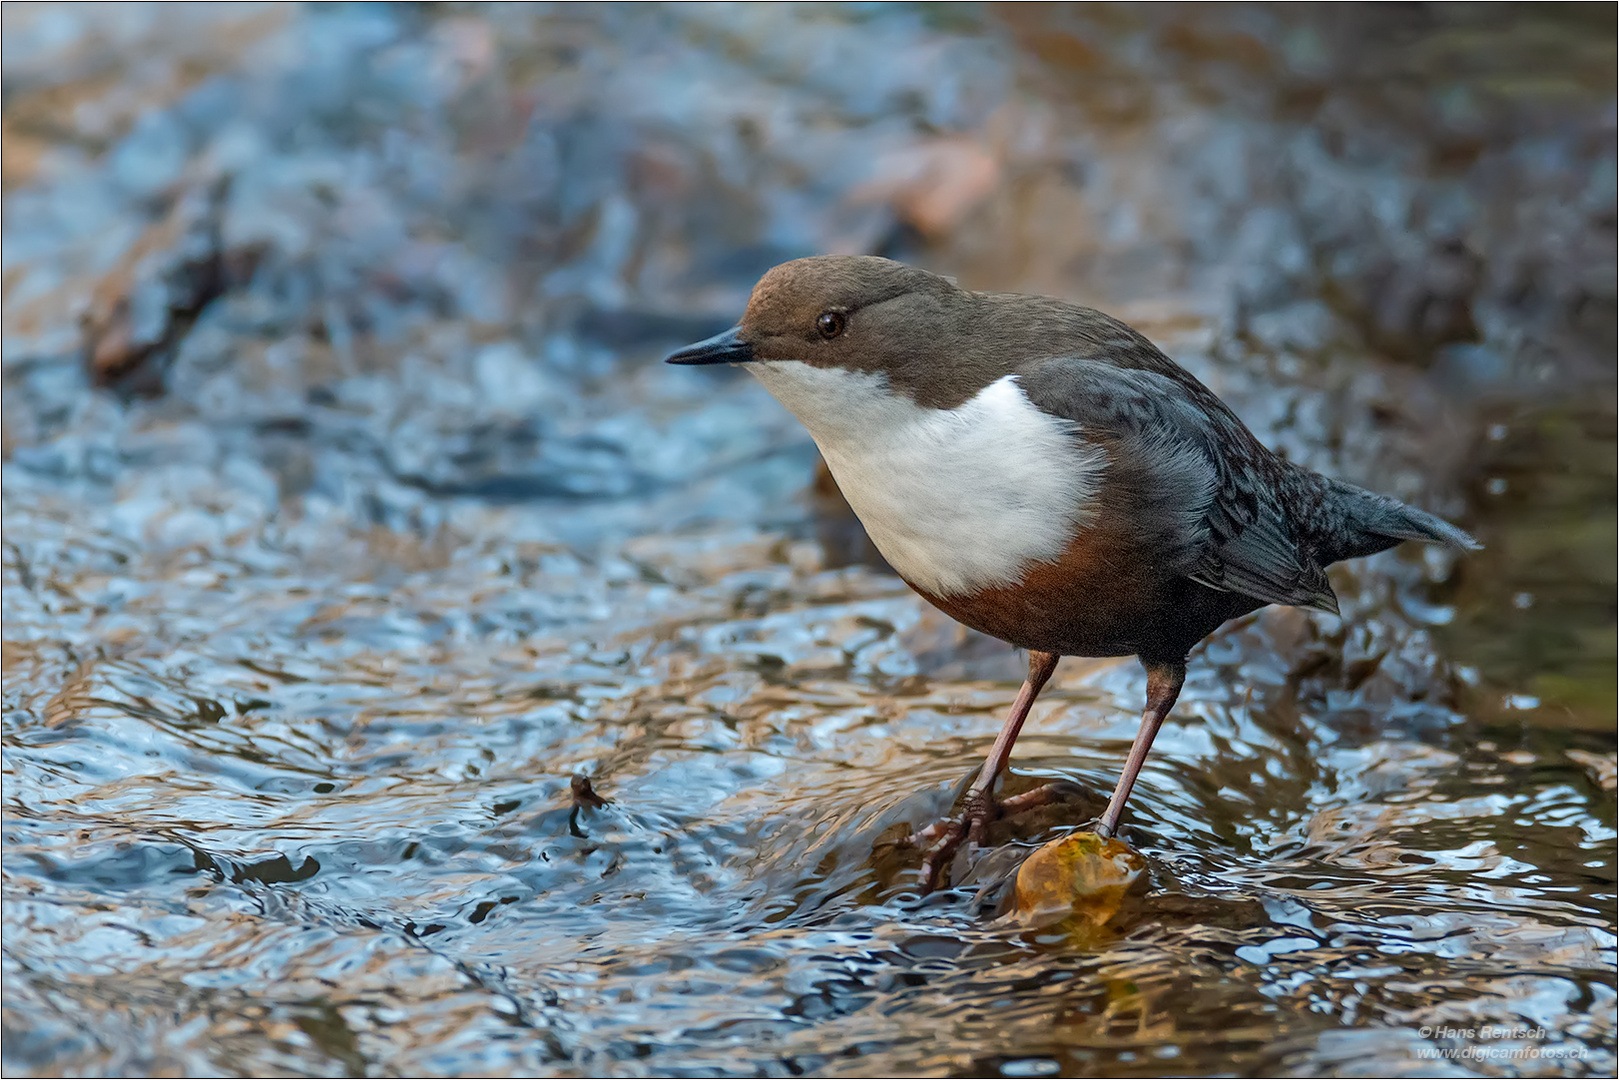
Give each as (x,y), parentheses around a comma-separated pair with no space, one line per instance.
(942,840)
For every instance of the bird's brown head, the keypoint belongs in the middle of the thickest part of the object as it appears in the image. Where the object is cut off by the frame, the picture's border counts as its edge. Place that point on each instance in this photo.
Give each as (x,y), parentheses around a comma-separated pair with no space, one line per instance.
(862,314)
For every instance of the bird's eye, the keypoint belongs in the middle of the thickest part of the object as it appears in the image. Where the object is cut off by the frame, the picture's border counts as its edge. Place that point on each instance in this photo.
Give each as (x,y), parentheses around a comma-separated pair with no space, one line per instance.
(830,324)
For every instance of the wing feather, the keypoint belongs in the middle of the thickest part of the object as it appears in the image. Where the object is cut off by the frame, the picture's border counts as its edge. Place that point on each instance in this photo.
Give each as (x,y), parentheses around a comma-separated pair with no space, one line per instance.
(1212,503)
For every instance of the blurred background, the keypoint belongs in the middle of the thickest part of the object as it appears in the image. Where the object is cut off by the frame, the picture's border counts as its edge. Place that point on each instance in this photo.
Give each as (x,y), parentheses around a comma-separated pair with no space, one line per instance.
(348,512)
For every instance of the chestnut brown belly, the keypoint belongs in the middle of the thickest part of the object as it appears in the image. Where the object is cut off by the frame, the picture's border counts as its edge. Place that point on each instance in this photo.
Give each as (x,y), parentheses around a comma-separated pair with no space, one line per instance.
(1099,599)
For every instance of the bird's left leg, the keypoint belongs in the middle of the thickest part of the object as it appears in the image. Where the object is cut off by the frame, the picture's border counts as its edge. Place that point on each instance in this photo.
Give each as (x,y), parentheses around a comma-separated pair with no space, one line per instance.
(1163,687)
(942,840)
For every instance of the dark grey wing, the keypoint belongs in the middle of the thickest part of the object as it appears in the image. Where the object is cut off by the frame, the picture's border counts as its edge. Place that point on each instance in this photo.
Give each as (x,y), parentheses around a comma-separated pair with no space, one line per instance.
(1204,488)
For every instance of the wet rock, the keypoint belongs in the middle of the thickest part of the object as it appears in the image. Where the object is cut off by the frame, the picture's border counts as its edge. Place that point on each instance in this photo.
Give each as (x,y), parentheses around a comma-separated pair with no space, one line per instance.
(1089,892)
(140,312)
(931,187)
(583,793)
(1604,769)
(1080,879)
(1411,311)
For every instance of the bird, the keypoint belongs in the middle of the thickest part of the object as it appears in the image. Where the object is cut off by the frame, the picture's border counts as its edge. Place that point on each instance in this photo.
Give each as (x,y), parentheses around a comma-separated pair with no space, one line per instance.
(1042,473)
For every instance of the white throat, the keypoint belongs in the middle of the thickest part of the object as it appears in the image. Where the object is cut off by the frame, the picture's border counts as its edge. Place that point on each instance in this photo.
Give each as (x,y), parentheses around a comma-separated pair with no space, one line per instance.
(956,500)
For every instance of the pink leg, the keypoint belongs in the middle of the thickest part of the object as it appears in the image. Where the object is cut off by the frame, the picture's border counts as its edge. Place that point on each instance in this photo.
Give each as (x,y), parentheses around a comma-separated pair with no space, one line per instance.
(1163,687)
(980,808)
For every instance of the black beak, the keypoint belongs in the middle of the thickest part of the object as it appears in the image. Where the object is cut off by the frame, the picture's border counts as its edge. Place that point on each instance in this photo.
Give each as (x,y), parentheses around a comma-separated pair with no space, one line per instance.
(726,348)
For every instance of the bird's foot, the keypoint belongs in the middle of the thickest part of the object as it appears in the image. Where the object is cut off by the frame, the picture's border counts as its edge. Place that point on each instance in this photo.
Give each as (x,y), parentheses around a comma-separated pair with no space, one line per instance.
(940,841)
(1054,792)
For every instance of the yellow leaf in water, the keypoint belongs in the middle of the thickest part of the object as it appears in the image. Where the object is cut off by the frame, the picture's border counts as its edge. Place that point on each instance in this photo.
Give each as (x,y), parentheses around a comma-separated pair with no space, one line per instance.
(1080,876)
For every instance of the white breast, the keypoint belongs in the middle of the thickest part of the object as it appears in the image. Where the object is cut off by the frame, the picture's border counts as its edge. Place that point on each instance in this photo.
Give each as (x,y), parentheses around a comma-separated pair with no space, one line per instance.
(956,499)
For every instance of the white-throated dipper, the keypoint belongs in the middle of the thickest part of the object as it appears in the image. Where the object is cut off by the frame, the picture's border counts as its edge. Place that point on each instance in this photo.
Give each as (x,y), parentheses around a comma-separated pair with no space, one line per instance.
(1042,473)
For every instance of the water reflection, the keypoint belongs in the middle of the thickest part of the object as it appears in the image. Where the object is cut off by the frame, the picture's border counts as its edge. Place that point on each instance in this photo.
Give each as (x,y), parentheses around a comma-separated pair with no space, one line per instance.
(348,518)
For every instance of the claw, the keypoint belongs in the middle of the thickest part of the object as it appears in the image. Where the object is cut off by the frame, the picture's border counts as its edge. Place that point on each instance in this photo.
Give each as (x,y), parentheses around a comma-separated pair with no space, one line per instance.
(940,841)
(938,856)
(947,837)
(925,837)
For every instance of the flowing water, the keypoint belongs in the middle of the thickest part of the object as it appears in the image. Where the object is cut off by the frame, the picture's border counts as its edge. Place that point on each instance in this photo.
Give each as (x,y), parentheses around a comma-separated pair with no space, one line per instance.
(349,515)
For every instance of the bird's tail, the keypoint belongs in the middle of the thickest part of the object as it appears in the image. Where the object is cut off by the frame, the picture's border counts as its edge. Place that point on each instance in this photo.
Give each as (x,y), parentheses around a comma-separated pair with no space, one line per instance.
(1360,523)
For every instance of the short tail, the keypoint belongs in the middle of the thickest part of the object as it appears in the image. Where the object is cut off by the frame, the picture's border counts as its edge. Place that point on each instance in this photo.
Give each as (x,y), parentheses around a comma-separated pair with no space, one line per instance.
(1360,523)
